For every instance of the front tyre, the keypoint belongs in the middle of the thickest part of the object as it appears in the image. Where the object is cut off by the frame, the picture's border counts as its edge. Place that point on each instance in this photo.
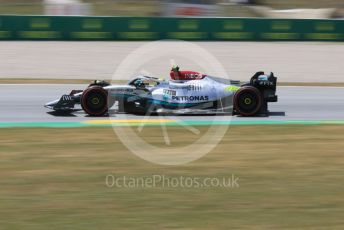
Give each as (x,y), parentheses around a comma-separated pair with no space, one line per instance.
(94,101)
(248,101)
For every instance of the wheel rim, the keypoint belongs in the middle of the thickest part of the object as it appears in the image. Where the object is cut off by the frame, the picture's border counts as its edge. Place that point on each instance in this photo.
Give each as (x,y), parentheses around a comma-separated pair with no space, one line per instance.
(94,101)
(248,101)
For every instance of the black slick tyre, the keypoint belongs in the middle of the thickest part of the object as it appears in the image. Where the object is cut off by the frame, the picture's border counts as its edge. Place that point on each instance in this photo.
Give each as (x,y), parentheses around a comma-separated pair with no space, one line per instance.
(248,101)
(94,101)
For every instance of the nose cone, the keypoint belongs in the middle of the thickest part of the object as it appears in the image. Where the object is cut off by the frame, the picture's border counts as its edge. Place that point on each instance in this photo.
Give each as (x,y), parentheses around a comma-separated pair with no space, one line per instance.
(51,104)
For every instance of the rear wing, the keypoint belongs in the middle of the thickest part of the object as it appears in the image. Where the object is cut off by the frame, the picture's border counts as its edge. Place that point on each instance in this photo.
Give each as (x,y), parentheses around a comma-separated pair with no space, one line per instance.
(263,81)
(266,84)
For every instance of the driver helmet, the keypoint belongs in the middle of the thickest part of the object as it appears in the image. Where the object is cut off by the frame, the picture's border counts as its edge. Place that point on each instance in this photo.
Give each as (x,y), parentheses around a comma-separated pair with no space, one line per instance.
(139,83)
(175,71)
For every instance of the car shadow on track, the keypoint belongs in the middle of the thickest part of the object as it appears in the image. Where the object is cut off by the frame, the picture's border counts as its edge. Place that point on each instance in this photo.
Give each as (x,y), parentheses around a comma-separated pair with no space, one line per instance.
(277,114)
(113,113)
(61,114)
(268,114)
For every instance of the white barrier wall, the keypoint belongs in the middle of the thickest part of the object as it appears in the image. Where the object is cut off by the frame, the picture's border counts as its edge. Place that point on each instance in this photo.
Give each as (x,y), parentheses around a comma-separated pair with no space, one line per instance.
(66,7)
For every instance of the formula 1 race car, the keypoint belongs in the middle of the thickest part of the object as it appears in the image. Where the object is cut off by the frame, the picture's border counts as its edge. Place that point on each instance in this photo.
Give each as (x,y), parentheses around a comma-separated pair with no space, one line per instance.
(186,92)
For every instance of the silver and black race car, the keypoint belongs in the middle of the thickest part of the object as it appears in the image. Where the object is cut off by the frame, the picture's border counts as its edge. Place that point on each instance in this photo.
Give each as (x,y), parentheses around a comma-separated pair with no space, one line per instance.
(187,92)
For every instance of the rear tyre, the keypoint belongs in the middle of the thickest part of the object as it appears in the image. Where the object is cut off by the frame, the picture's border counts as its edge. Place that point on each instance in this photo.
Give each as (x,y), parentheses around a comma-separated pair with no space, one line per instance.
(248,101)
(94,101)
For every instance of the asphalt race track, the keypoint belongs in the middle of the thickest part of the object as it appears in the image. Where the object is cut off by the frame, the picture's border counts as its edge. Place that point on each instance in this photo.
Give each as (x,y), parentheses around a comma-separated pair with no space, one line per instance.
(24,103)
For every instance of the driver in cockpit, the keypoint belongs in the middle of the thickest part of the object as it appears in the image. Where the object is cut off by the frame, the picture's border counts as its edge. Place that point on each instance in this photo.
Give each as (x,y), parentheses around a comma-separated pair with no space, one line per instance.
(175,71)
(139,83)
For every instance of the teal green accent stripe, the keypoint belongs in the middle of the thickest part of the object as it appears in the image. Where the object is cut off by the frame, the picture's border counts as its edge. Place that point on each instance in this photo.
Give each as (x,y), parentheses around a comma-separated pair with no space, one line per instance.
(184,123)
(169,104)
